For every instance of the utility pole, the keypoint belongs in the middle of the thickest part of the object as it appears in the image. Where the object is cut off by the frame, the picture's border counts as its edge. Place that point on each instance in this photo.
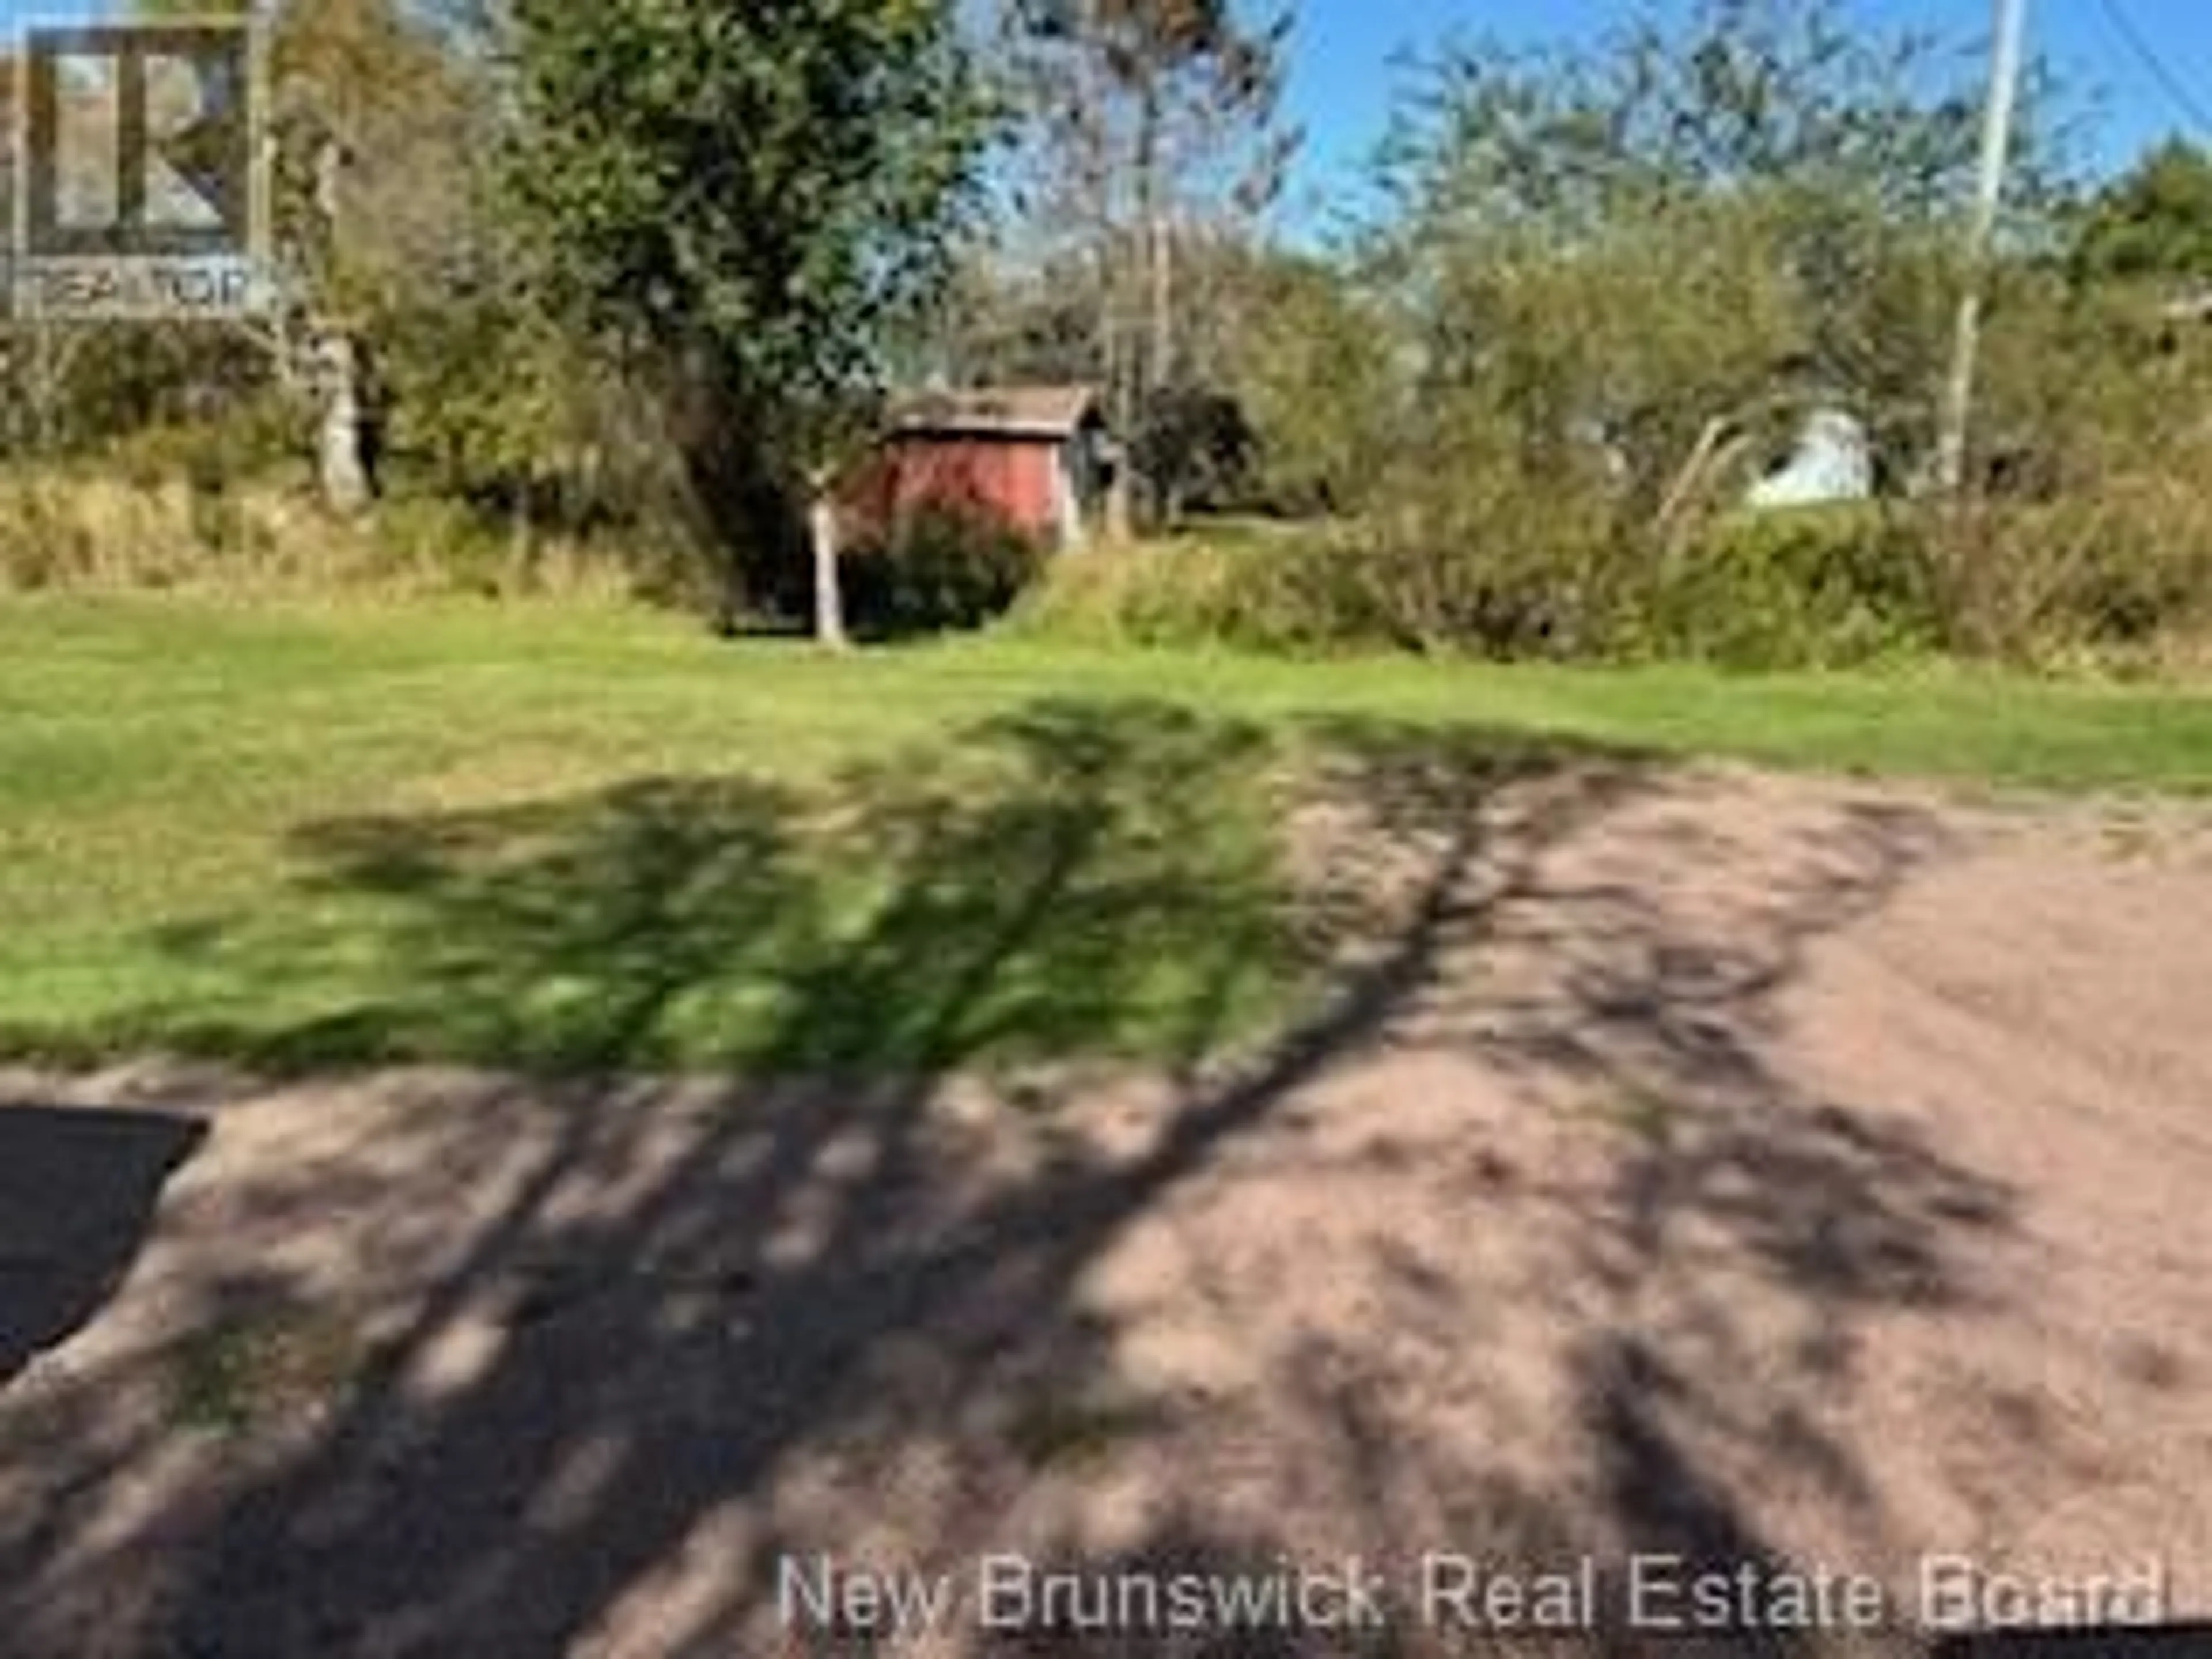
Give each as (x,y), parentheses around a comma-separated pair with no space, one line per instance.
(2005,62)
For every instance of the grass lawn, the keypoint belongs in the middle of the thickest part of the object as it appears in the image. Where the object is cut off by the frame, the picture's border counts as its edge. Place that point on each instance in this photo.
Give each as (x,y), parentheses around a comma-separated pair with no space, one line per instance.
(579,838)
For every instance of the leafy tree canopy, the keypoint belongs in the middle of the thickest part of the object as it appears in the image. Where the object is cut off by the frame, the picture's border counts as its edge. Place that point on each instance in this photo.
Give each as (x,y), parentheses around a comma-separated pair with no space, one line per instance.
(2155,222)
(760,193)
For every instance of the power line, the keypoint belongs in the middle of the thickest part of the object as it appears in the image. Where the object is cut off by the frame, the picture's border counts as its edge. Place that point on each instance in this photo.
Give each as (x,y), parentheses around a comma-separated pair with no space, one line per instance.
(2174,87)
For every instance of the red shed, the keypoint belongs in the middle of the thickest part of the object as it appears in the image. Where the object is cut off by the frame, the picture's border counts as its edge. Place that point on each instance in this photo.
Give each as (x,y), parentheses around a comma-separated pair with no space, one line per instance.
(1032,457)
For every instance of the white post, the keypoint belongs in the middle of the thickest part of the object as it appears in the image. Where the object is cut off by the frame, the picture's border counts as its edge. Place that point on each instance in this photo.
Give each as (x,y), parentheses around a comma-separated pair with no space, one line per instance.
(829,586)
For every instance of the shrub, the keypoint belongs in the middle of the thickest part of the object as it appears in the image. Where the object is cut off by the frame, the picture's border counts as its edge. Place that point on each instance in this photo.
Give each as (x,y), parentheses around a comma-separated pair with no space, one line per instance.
(2124,572)
(1408,581)
(1804,587)
(1090,597)
(1280,590)
(1812,588)
(945,568)
(1495,565)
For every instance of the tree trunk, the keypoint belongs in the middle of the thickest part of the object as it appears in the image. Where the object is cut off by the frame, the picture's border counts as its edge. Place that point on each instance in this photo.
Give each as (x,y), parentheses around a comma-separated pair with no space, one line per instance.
(1120,505)
(522,539)
(1119,357)
(342,447)
(1149,289)
(1163,299)
(342,462)
(1147,246)
(829,589)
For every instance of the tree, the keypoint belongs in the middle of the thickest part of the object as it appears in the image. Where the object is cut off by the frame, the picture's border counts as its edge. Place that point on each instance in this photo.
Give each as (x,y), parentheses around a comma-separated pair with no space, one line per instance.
(1155,130)
(374,119)
(1316,367)
(1712,214)
(2155,221)
(379,119)
(749,204)
(1005,320)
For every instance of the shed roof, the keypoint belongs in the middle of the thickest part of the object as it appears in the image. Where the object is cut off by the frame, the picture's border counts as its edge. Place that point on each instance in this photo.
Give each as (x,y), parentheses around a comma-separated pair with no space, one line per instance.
(1034,411)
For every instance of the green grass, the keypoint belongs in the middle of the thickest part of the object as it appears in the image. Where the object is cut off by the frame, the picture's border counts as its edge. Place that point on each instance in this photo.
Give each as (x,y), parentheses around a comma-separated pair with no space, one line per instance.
(572,837)
(245,1374)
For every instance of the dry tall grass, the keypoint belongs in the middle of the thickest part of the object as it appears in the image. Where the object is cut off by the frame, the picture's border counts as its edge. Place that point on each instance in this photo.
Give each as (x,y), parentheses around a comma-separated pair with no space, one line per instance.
(85,531)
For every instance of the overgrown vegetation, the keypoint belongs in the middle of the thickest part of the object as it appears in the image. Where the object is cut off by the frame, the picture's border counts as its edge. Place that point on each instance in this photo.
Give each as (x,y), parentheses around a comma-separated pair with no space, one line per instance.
(942,569)
(1596,293)
(620,280)
(1518,411)
(1835,588)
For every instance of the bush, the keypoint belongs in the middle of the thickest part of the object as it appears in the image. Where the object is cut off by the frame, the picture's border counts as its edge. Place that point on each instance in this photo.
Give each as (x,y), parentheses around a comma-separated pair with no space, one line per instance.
(1270,591)
(2125,571)
(1805,588)
(1801,589)
(946,568)
(1494,565)
(1400,583)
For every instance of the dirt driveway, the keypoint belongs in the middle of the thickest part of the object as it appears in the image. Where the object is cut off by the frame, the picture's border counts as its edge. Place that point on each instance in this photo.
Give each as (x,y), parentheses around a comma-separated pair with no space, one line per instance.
(1691,1173)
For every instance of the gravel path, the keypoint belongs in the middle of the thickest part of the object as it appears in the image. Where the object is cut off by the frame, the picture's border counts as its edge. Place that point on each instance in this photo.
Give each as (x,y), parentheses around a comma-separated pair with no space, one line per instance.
(1697,1174)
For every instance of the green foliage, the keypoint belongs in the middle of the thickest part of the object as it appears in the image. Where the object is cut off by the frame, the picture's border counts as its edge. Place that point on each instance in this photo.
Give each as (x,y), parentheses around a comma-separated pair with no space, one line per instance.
(1317,369)
(628,277)
(1273,592)
(628,268)
(757,199)
(1812,588)
(1495,560)
(85,388)
(1152,144)
(1688,99)
(945,568)
(375,82)
(407,105)
(2153,222)
(2097,539)
(1373,585)
(1697,219)
(2117,577)
(1606,287)
(1196,449)
(1809,587)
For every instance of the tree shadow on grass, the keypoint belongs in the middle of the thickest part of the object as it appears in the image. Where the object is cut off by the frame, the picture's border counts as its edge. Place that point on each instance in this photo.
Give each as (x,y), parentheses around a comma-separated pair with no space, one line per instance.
(1062,880)
(679,1334)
